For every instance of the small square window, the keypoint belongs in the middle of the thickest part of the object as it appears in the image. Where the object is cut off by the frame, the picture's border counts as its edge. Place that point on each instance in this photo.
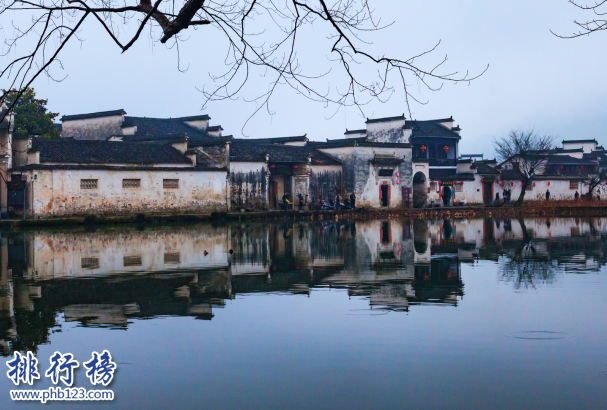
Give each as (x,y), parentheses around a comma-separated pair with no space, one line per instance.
(131,183)
(89,263)
(88,184)
(459,188)
(574,185)
(133,260)
(170,183)
(172,257)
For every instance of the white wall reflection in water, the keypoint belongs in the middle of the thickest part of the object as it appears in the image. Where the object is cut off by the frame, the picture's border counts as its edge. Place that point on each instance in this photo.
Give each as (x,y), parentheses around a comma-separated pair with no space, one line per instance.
(110,277)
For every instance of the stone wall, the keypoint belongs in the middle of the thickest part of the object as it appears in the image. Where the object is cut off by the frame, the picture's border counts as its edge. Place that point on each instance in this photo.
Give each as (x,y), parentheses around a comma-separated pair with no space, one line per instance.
(59,192)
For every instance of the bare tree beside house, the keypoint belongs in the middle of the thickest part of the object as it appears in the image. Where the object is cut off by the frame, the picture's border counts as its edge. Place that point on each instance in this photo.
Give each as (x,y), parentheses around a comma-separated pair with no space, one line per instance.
(595,183)
(525,153)
(264,39)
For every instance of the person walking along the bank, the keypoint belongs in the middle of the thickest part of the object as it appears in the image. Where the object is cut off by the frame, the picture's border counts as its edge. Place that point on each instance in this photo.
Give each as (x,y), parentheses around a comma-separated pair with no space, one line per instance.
(301,201)
(337,202)
(497,198)
(577,195)
(353,200)
(547,195)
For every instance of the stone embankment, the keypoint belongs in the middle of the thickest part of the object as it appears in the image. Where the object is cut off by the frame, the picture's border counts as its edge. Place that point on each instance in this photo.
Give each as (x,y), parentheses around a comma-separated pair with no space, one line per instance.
(554,209)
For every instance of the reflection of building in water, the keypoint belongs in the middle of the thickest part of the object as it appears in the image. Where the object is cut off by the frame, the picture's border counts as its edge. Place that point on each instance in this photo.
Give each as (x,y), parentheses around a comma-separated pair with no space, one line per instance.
(111,277)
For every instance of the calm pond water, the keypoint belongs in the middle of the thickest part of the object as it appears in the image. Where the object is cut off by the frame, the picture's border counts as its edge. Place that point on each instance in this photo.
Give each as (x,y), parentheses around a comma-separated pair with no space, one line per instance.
(456,314)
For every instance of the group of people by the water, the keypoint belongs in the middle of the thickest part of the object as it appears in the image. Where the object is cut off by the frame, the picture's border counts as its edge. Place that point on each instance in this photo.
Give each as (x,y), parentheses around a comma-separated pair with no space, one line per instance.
(337,204)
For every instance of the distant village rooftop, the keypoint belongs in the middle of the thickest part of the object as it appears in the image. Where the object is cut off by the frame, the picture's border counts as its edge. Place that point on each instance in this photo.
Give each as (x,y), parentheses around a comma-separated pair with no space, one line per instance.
(99,114)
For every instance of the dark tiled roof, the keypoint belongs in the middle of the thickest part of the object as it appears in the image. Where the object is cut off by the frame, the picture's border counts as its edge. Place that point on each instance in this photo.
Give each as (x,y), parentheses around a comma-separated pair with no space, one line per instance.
(149,129)
(464,176)
(579,141)
(117,168)
(563,150)
(363,131)
(601,156)
(277,140)
(106,152)
(433,128)
(93,115)
(357,142)
(386,160)
(442,173)
(464,161)
(569,160)
(215,128)
(444,119)
(247,152)
(484,169)
(385,119)
(510,175)
(202,117)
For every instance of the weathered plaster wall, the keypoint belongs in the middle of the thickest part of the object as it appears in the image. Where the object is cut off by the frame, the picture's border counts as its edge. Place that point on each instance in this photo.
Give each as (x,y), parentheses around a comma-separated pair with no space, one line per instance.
(392,131)
(92,128)
(559,189)
(58,192)
(249,185)
(325,182)
(360,177)
(20,148)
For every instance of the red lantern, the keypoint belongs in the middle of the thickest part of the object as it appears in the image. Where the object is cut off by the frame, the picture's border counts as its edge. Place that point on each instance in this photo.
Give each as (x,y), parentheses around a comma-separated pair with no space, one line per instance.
(445,148)
(423,148)
(561,167)
(548,183)
(534,184)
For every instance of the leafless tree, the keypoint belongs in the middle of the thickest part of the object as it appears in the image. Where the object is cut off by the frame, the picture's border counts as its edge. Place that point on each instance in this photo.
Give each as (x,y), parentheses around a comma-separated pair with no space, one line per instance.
(595,183)
(524,152)
(262,37)
(598,23)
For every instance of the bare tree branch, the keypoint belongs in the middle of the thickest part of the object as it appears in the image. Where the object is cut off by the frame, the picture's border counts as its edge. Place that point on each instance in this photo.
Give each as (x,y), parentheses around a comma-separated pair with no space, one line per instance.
(262,37)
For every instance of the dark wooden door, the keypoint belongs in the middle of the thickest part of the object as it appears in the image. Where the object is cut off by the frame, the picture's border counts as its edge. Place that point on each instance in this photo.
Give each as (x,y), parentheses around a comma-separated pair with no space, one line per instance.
(385,195)
(487,192)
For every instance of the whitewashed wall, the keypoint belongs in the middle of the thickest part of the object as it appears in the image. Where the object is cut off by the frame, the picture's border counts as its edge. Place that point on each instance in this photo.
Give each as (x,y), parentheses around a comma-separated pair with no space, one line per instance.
(92,128)
(58,192)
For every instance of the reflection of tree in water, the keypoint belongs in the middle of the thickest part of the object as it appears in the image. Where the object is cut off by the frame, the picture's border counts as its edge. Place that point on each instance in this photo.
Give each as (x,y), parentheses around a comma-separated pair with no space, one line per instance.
(326,240)
(526,267)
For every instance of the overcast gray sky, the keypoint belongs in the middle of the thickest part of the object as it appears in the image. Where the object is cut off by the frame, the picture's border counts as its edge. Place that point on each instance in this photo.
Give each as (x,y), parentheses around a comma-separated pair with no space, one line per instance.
(535,80)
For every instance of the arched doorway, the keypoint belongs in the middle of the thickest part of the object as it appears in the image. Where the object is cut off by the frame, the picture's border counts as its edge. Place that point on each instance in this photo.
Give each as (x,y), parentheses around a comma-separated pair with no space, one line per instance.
(446,195)
(420,193)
